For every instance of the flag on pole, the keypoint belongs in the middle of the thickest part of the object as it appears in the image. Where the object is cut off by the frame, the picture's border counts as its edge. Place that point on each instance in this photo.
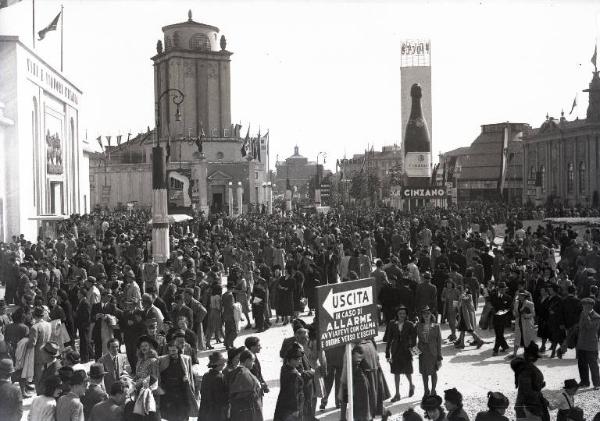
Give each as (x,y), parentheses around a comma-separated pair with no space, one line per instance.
(99,140)
(364,161)
(595,56)
(108,139)
(199,139)
(119,140)
(51,27)
(574,104)
(128,136)
(244,149)
(258,143)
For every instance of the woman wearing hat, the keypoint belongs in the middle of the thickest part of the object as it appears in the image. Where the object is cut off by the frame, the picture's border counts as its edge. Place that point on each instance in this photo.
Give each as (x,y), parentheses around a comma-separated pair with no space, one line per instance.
(178,401)
(466,322)
(401,338)
(146,378)
(524,313)
(290,401)
(432,405)
(430,344)
(530,403)
(213,391)
(497,405)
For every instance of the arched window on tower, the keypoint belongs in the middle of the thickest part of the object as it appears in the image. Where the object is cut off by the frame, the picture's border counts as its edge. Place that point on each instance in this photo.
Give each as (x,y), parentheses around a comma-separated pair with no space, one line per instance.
(570,177)
(543,178)
(199,42)
(582,177)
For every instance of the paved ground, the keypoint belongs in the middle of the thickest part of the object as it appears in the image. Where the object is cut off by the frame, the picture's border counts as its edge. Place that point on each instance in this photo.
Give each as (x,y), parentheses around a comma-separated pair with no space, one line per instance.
(473,372)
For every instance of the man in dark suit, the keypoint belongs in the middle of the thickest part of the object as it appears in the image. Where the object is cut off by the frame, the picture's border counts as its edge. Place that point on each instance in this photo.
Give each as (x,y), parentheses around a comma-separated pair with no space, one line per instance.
(502,305)
(300,336)
(115,364)
(94,393)
(253,345)
(11,401)
(50,365)
(426,294)
(82,322)
(112,408)
(99,312)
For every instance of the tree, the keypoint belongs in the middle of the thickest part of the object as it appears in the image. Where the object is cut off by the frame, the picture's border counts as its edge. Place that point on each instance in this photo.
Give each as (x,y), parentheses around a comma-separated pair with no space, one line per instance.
(365,187)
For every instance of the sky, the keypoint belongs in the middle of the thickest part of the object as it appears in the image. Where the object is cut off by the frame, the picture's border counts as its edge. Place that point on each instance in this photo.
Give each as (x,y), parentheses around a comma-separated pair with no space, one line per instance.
(326,75)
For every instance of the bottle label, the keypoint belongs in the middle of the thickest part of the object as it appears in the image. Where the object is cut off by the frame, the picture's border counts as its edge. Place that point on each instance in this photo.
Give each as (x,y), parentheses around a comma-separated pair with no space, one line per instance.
(417,164)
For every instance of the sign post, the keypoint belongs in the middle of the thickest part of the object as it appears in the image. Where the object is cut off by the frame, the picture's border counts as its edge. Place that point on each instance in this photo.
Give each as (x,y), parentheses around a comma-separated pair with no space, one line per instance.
(346,313)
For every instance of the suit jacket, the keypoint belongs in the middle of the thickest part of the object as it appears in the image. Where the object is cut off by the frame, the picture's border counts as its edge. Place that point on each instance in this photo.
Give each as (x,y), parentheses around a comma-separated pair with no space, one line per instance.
(501,303)
(257,371)
(112,372)
(39,334)
(98,308)
(589,323)
(186,365)
(106,411)
(93,395)
(83,314)
(11,401)
(69,408)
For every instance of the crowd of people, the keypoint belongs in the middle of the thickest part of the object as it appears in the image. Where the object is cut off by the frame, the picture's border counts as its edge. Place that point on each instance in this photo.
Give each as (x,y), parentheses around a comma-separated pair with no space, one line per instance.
(95,295)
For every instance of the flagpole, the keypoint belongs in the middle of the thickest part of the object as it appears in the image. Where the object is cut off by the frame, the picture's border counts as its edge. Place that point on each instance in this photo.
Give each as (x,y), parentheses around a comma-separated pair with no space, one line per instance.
(33,21)
(62,27)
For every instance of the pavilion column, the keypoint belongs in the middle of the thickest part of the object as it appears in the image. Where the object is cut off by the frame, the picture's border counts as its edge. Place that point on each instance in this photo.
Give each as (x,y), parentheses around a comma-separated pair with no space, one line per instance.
(230,198)
(240,195)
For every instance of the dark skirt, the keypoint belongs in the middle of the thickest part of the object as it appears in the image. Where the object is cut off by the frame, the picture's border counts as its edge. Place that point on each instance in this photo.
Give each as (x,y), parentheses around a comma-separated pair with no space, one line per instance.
(402,363)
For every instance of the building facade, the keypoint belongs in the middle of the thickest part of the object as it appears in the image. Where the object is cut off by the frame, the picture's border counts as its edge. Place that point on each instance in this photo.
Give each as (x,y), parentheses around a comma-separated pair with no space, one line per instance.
(300,172)
(43,159)
(562,158)
(206,169)
(490,169)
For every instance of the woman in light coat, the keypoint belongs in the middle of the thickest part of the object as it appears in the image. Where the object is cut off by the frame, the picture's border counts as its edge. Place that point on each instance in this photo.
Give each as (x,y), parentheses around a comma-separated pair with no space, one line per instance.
(524,312)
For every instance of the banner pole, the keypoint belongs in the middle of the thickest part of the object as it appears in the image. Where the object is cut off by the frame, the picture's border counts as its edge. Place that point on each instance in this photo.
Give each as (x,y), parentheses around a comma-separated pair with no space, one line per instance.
(349,384)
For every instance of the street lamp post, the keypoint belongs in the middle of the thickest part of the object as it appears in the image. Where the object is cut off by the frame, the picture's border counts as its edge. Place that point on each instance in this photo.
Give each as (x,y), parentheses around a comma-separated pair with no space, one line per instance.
(269,198)
(317,181)
(160,213)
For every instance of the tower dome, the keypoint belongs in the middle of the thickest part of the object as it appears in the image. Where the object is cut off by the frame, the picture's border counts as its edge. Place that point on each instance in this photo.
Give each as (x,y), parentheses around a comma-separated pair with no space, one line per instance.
(191,35)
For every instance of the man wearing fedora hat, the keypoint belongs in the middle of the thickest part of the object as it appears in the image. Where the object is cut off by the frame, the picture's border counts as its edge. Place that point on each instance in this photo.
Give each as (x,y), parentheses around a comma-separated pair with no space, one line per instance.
(50,365)
(502,304)
(566,399)
(213,391)
(11,401)
(95,392)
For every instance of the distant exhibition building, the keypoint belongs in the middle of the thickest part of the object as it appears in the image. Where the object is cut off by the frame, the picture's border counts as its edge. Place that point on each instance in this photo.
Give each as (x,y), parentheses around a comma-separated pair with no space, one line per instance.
(43,157)
(207,170)
(562,158)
